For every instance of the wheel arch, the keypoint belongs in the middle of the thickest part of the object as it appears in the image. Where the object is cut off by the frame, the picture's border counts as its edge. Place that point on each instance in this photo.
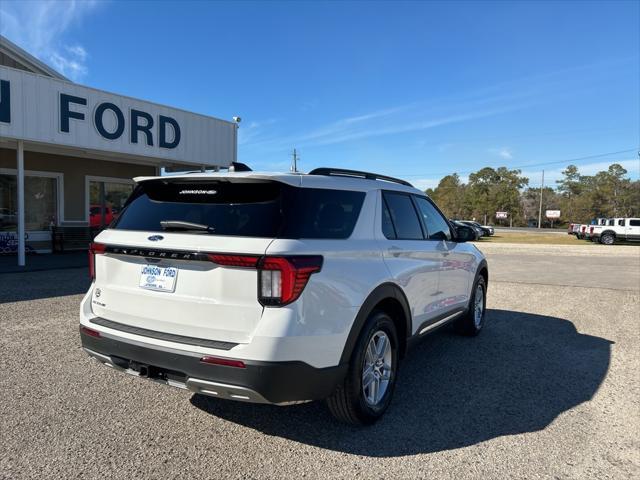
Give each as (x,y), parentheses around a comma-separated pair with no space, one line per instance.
(483,270)
(389,298)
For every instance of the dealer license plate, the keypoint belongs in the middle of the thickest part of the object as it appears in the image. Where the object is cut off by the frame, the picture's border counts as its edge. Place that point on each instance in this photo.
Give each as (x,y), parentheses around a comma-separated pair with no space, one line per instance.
(162,279)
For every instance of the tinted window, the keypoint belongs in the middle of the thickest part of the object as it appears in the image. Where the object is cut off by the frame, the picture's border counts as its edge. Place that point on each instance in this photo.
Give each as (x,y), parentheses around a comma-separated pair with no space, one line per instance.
(387,224)
(621,222)
(251,209)
(634,223)
(437,226)
(320,213)
(404,217)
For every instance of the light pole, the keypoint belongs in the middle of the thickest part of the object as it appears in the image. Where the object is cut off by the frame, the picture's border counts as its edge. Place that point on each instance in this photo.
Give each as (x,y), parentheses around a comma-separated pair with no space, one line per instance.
(236,121)
(540,209)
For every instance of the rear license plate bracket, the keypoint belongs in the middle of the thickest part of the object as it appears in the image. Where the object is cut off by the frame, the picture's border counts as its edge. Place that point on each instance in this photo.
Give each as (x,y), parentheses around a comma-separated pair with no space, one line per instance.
(161,279)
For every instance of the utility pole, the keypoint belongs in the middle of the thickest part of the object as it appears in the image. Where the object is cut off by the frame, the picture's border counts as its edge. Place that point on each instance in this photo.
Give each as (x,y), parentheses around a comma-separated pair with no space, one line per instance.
(540,210)
(294,161)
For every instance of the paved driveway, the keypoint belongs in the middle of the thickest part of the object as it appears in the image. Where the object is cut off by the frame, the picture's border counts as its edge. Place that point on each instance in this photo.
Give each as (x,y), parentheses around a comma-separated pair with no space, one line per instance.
(549,390)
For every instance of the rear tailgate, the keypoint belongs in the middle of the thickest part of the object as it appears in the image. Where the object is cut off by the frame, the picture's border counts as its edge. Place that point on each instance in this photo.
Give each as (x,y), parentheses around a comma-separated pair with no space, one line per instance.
(206,300)
(154,272)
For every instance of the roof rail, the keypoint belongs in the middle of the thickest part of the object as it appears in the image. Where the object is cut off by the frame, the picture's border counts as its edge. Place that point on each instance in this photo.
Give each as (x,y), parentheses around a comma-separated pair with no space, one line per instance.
(343,172)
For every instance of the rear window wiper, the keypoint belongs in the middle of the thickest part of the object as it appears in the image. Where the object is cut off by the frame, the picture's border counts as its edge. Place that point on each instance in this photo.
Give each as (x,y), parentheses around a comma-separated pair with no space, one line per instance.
(181,225)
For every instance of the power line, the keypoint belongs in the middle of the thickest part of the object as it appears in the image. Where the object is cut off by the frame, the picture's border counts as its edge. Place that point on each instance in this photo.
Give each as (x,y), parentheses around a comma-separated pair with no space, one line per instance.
(555,162)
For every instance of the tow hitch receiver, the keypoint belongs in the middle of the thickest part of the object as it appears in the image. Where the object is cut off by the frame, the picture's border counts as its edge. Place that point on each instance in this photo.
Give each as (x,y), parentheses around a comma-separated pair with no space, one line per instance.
(143,370)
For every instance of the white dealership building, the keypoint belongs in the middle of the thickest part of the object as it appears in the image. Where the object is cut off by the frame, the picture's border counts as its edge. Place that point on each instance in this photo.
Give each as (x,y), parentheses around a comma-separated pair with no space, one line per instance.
(68,152)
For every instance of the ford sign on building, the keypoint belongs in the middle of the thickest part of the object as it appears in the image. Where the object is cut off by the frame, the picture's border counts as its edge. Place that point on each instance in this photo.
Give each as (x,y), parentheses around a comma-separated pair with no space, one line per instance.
(68,153)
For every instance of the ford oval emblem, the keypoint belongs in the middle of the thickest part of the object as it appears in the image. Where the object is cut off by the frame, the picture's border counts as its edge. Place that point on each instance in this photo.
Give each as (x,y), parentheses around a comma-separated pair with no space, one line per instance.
(156,238)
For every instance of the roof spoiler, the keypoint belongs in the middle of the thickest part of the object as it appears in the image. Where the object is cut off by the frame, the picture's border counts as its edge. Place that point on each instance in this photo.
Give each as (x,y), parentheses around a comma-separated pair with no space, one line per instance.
(239,167)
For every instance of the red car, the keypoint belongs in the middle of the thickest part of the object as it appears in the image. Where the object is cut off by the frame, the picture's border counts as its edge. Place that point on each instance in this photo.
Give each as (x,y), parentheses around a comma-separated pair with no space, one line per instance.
(95,216)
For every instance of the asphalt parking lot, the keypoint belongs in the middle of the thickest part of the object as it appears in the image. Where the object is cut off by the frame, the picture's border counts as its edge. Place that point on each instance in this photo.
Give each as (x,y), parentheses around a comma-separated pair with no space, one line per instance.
(549,390)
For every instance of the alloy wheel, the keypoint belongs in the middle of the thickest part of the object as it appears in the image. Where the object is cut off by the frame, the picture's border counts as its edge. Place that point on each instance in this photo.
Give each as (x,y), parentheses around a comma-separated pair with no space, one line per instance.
(376,370)
(478,307)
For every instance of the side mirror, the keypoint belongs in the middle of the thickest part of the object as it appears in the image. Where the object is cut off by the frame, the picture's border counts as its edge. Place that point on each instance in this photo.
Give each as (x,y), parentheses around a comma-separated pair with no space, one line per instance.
(465,234)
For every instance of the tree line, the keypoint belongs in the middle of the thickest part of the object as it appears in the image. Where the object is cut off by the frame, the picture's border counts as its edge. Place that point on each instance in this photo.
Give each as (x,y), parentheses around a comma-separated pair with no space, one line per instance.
(580,198)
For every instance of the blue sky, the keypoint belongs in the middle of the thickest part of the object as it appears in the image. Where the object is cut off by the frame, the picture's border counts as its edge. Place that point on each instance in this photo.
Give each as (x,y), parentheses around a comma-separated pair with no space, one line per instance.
(416,90)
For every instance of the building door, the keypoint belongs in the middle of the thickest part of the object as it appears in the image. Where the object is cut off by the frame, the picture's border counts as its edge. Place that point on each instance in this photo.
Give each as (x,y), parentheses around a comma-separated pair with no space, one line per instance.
(106,199)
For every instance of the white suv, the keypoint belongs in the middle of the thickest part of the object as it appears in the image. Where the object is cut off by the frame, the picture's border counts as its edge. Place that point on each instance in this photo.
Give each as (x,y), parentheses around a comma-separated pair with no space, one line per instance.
(278,288)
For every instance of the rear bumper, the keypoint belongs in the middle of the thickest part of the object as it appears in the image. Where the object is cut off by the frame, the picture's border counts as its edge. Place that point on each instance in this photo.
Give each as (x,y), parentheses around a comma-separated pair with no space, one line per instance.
(259,382)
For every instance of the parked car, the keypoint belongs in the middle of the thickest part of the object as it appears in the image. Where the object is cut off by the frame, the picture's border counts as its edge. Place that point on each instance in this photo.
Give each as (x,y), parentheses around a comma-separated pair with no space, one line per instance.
(95,215)
(616,229)
(478,233)
(279,288)
(487,230)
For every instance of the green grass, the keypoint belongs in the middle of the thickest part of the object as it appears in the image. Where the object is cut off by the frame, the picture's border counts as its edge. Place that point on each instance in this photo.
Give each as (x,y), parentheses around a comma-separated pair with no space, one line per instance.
(534,238)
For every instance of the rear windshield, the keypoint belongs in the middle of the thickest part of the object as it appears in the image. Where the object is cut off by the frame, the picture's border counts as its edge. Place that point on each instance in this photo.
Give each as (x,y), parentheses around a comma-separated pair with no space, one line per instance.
(247,209)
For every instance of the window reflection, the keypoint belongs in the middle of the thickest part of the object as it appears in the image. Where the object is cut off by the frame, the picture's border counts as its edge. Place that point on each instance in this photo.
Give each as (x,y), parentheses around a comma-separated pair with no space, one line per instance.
(40,202)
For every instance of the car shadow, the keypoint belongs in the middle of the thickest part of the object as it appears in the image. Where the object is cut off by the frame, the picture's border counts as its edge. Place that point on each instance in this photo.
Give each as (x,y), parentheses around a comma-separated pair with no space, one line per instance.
(521,373)
(27,286)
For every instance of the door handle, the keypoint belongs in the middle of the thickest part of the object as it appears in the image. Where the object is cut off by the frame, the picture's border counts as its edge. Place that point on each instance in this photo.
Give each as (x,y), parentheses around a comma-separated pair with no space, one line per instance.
(394,251)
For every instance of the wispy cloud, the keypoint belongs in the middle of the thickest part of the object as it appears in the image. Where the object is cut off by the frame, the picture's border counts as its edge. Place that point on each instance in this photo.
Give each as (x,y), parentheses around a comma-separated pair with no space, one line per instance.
(40,27)
(503,152)
(419,116)
(399,126)
(423,115)
(254,131)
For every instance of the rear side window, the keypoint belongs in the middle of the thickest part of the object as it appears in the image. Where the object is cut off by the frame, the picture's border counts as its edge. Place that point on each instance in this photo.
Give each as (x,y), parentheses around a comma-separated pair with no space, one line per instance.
(437,226)
(320,213)
(403,216)
(634,223)
(248,209)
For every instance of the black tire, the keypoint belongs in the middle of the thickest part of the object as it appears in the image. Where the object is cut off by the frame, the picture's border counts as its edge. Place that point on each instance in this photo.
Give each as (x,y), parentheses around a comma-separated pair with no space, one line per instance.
(607,239)
(348,403)
(466,324)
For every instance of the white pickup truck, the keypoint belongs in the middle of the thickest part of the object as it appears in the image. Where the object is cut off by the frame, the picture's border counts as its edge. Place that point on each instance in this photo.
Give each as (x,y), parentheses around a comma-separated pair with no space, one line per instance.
(616,229)
(585,229)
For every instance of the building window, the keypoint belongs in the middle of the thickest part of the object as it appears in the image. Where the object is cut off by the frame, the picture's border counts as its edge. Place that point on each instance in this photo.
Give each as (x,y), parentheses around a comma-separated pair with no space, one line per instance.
(40,202)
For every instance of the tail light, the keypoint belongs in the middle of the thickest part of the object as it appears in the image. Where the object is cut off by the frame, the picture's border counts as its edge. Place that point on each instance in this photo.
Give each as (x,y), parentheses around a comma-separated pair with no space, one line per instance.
(281,280)
(242,261)
(94,249)
(590,229)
